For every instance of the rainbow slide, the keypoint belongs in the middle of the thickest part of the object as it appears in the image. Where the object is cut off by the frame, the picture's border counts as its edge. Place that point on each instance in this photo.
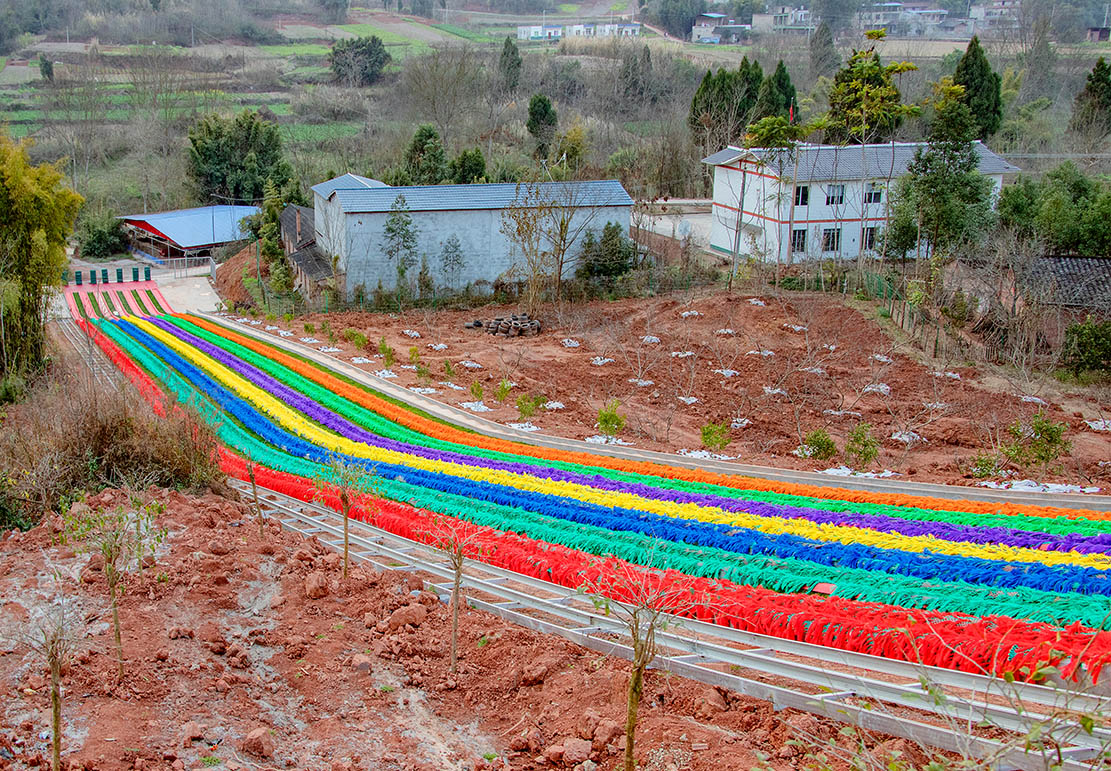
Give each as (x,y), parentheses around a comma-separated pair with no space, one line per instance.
(973,586)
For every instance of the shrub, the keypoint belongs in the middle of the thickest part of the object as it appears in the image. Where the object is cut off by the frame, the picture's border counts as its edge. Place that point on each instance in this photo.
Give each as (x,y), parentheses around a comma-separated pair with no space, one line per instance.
(527,405)
(610,422)
(414,355)
(476,390)
(65,440)
(423,374)
(715,436)
(310,329)
(386,351)
(985,464)
(101,237)
(818,445)
(449,370)
(502,391)
(287,317)
(861,448)
(1042,442)
(1088,347)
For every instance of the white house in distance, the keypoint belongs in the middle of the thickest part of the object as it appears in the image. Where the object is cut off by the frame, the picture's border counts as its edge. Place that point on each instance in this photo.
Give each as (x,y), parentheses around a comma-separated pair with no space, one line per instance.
(350,214)
(536,32)
(822,201)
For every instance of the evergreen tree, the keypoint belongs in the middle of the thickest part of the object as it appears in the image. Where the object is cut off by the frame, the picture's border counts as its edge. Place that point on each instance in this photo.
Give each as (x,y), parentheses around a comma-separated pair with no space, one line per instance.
(469,166)
(231,159)
(776,95)
(425,159)
(509,66)
(542,122)
(636,77)
(359,61)
(724,103)
(865,105)
(981,89)
(824,59)
(1091,112)
(950,199)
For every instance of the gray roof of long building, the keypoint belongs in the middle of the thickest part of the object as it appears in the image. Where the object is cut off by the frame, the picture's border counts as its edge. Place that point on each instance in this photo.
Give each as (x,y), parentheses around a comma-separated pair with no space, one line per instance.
(837,162)
(346,181)
(1081,282)
(481,196)
(312,261)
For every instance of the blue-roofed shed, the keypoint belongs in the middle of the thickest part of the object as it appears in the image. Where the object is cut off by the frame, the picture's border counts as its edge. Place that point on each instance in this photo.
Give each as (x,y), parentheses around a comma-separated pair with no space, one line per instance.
(189,231)
(350,217)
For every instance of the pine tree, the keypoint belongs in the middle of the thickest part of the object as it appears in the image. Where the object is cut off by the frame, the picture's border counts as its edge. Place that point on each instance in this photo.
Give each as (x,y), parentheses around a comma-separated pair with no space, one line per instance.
(425,160)
(981,89)
(467,167)
(509,66)
(1091,113)
(824,60)
(865,104)
(724,103)
(542,122)
(776,95)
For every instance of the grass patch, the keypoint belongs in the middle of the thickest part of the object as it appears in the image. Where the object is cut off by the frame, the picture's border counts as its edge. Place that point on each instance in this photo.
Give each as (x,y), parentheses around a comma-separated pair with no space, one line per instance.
(466,34)
(619,6)
(297,49)
(139,303)
(111,306)
(568,7)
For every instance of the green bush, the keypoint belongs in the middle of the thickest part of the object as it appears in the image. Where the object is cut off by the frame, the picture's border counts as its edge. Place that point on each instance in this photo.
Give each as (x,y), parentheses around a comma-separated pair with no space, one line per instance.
(861,448)
(310,329)
(101,237)
(1041,443)
(715,436)
(818,445)
(1088,347)
(414,355)
(477,390)
(985,464)
(528,405)
(449,370)
(610,422)
(501,393)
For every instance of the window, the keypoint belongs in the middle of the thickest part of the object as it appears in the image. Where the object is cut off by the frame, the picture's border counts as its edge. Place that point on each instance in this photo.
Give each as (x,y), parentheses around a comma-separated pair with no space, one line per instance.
(802,195)
(831,240)
(870,238)
(798,241)
(835,195)
(873,192)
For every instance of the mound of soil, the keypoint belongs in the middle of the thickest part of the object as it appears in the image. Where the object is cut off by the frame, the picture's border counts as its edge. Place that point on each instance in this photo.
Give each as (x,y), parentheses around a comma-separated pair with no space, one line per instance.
(229,277)
(253,651)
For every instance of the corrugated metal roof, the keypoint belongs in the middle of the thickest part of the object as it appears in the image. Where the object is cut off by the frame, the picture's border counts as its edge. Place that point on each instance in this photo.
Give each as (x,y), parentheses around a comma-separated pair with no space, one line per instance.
(346,181)
(837,162)
(193,228)
(607,192)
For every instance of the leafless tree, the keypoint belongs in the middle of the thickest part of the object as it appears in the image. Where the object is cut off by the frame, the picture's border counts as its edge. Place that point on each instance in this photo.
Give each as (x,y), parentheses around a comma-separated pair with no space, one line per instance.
(645,600)
(459,541)
(443,85)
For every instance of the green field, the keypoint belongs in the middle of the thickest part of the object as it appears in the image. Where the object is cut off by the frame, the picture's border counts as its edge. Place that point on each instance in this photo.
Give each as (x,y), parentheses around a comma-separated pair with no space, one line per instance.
(297,49)
(466,34)
(568,8)
(366,30)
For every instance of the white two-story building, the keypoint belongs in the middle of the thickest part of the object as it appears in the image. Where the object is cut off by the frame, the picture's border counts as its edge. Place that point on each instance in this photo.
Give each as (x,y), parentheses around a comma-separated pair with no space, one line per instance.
(815,202)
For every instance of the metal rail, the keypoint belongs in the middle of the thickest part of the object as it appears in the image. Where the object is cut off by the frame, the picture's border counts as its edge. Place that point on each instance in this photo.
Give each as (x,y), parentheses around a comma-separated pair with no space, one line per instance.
(841,685)
(103,372)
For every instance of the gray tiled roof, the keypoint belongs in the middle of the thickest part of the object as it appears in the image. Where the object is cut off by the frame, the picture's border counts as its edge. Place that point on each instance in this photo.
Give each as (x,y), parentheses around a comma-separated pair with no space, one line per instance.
(346,181)
(837,162)
(311,260)
(1081,282)
(480,196)
(288,221)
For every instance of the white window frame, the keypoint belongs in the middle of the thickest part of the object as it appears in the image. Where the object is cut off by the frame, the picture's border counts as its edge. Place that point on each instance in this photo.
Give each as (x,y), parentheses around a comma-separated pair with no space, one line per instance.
(873,192)
(802,195)
(835,195)
(795,249)
(871,232)
(828,235)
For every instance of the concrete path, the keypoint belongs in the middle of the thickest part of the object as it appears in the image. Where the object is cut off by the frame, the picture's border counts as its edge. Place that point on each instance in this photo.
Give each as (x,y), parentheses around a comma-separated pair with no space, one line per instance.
(473,422)
(191,294)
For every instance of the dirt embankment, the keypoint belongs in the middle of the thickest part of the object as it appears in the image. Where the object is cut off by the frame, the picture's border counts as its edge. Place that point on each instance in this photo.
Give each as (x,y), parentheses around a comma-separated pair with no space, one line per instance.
(229,277)
(772,368)
(248,652)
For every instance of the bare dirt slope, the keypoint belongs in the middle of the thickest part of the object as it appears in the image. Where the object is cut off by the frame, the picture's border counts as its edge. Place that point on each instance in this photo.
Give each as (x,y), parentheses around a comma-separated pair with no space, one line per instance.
(773,368)
(230,634)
